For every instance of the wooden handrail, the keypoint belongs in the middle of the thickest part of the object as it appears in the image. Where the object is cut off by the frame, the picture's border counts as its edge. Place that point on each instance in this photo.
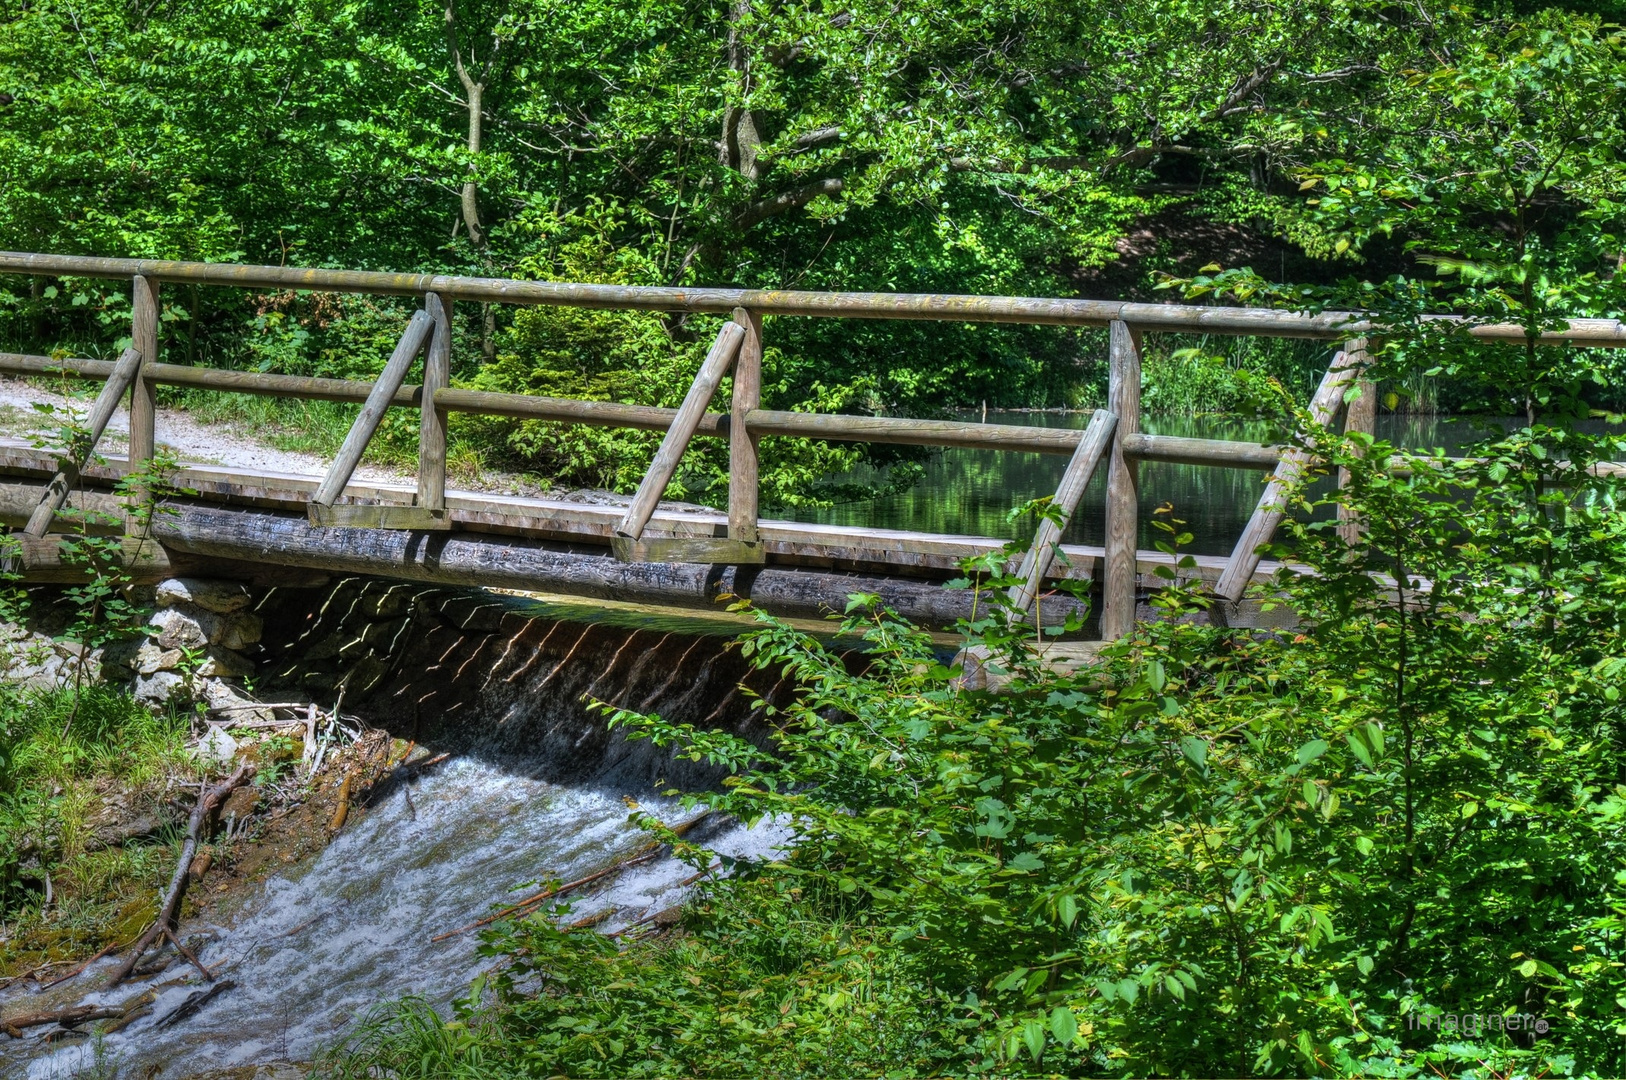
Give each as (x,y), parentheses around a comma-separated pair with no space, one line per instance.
(1325,406)
(1116,439)
(1092,447)
(942,307)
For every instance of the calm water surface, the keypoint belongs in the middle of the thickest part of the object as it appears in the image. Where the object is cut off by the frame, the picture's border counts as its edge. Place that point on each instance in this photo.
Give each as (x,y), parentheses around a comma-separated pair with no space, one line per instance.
(970,492)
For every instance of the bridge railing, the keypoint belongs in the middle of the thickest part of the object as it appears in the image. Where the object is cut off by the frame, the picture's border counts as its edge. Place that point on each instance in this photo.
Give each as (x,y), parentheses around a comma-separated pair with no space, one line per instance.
(1113,436)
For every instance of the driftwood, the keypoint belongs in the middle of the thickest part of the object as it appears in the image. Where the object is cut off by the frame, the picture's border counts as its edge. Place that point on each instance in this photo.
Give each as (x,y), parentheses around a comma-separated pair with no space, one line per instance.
(209,800)
(79,1014)
(547,894)
(193,1003)
(342,811)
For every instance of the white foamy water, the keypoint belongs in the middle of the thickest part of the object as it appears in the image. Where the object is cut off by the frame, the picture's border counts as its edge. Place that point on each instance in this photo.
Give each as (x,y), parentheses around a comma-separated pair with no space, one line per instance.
(353,927)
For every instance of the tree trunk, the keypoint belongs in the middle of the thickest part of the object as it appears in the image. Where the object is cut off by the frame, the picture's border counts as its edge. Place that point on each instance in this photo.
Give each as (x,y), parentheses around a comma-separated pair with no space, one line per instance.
(471,193)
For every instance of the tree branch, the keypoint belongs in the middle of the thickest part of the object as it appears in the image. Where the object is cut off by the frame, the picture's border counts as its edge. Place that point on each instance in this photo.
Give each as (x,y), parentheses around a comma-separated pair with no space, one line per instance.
(761,211)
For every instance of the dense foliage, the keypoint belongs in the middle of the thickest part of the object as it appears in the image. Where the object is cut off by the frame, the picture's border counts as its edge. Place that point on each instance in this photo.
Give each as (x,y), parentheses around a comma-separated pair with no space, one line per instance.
(1020,146)
(1389,842)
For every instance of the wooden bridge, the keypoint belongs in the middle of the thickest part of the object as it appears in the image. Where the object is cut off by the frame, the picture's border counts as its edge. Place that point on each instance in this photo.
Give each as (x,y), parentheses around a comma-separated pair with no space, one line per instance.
(243,521)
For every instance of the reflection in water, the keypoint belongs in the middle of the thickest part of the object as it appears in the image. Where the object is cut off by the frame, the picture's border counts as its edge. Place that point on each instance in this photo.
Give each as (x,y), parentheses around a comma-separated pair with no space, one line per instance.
(970,492)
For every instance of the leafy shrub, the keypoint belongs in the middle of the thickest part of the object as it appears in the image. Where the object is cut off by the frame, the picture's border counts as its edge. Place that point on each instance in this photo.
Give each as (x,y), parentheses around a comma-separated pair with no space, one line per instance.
(1389,843)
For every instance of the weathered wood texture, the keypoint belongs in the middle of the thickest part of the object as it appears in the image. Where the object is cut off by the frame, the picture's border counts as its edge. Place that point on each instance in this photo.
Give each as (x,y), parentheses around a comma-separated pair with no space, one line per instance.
(143,394)
(1123,485)
(375,516)
(1178,450)
(67,477)
(1330,326)
(437,374)
(904,432)
(1047,538)
(93,512)
(43,560)
(361,433)
(689,414)
(742,442)
(519,563)
(1245,557)
(1360,417)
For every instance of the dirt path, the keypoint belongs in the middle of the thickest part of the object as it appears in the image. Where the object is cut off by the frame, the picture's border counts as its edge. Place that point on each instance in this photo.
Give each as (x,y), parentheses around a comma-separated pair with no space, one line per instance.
(193,442)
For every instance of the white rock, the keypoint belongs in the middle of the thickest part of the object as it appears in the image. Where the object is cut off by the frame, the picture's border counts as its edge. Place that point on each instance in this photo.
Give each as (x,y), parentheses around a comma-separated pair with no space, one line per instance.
(159,689)
(150,658)
(217,747)
(221,597)
(185,629)
(223,696)
(225,664)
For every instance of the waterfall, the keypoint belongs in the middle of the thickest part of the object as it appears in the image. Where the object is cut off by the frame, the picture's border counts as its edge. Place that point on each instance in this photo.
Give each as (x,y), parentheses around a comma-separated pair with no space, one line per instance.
(535,789)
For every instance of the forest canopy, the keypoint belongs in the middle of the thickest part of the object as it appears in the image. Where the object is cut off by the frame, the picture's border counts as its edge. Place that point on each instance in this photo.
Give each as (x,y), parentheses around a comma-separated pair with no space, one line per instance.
(1443,152)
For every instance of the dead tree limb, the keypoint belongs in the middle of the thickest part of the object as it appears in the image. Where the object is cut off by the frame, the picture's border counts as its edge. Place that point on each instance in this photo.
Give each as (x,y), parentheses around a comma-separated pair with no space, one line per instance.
(79,1014)
(209,800)
(548,894)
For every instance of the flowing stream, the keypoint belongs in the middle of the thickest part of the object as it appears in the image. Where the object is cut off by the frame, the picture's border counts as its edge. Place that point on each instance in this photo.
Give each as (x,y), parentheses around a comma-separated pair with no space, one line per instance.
(533,790)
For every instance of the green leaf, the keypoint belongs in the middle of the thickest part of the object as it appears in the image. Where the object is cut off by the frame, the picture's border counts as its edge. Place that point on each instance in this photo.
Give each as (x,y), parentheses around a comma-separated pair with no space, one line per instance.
(1156,677)
(1067,909)
(1063,1025)
(1363,964)
(1312,750)
(1196,751)
(1033,1037)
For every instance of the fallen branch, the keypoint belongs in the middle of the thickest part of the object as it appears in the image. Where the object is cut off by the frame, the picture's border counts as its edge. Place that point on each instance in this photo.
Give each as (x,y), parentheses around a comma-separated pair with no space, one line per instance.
(692,878)
(209,800)
(548,894)
(79,1014)
(208,976)
(193,1003)
(341,811)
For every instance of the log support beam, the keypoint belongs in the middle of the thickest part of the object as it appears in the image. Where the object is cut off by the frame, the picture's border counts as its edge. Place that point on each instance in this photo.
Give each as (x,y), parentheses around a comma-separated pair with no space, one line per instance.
(1047,540)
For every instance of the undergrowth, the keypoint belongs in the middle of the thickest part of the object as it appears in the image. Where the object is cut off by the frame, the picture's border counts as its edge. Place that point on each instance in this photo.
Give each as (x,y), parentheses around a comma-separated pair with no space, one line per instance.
(53,777)
(1386,844)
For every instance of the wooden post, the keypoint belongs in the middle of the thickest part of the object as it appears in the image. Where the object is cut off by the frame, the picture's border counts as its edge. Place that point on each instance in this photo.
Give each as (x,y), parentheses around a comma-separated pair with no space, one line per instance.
(743,492)
(67,477)
(1324,406)
(1360,416)
(437,363)
(682,430)
(372,413)
(143,398)
(1123,486)
(1036,563)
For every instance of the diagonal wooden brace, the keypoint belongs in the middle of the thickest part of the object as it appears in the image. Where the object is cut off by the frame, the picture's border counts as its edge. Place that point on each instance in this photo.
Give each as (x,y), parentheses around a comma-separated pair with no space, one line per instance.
(56,492)
(688,418)
(1245,557)
(366,425)
(1036,563)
